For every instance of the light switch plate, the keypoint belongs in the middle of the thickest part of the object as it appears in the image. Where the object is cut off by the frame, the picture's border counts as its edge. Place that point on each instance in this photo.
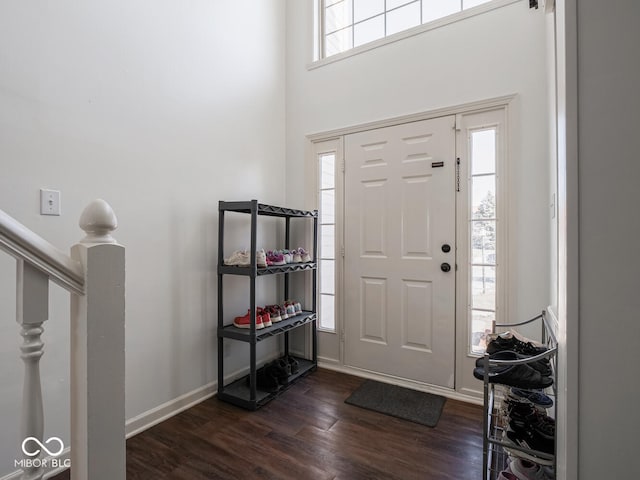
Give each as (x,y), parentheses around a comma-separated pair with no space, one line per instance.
(49,202)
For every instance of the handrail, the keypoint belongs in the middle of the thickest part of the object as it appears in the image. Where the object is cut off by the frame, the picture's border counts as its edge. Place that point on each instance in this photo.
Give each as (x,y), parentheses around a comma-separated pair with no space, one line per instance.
(20,242)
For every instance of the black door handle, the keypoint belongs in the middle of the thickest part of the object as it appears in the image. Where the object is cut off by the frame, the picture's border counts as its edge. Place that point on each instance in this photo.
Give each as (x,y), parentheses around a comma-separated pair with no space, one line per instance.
(445,267)
(446,248)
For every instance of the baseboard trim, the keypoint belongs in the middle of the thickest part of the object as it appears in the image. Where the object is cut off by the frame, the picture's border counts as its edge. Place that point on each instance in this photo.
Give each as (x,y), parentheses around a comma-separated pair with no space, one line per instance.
(159,414)
(423,387)
(325,362)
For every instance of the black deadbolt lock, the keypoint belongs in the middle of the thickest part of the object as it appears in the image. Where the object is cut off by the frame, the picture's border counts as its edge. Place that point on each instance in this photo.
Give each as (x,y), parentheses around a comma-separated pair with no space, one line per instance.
(445,267)
(446,248)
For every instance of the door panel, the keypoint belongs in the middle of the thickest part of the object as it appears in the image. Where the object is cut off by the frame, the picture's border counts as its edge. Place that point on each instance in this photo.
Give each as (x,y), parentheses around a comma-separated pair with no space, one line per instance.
(373,316)
(399,210)
(417,312)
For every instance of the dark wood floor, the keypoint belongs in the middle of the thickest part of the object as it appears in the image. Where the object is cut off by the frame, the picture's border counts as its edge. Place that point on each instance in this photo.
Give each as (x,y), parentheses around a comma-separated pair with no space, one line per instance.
(307,433)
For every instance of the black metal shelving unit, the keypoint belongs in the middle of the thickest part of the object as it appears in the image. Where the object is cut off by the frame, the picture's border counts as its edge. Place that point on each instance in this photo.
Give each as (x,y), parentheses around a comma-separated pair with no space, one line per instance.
(244,391)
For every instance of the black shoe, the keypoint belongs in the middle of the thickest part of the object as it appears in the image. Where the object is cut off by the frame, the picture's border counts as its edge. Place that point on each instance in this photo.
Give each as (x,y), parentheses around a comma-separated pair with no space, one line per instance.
(540,437)
(541,366)
(265,380)
(521,376)
(524,348)
(293,364)
(526,419)
(281,370)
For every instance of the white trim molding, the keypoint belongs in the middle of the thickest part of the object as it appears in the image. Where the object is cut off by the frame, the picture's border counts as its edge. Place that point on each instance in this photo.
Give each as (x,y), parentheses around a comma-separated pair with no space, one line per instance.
(476,106)
(159,414)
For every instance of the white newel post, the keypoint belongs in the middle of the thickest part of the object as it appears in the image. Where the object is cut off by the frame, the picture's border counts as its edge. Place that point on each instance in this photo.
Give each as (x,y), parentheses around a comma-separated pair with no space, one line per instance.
(97,351)
(32,309)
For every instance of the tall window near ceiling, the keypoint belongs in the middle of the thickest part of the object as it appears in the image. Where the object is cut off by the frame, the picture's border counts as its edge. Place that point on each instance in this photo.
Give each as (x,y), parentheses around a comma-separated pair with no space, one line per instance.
(346,24)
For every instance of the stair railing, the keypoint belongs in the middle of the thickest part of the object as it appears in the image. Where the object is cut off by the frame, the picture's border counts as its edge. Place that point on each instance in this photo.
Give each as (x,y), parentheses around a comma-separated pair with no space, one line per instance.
(94,274)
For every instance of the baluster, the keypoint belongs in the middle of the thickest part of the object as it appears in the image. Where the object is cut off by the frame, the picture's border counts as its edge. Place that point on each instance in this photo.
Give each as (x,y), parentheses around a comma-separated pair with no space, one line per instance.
(32,310)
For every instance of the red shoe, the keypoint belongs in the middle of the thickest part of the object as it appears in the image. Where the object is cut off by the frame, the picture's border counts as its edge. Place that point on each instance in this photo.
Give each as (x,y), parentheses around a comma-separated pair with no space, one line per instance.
(274,313)
(266,317)
(245,321)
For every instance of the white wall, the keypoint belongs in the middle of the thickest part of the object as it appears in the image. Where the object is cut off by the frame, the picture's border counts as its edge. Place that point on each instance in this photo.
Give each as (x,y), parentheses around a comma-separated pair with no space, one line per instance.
(162,108)
(609,228)
(498,53)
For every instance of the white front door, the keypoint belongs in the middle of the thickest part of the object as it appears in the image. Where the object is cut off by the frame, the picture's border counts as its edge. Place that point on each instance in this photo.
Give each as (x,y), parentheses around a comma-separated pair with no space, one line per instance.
(399,217)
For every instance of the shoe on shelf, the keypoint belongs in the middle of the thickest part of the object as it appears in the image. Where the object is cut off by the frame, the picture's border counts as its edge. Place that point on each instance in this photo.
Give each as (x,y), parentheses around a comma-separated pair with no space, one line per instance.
(541,366)
(266,317)
(265,380)
(283,364)
(290,309)
(288,256)
(306,258)
(239,258)
(515,453)
(520,375)
(526,416)
(537,398)
(297,307)
(274,313)
(293,364)
(281,370)
(297,258)
(506,475)
(283,312)
(512,343)
(275,258)
(523,417)
(527,470)
(261,258)
(538,436)
(245,321)
(518,409)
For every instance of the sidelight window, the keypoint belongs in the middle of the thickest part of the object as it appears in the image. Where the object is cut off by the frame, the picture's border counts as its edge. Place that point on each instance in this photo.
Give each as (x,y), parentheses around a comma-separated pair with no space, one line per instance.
(327,240)
(483,234)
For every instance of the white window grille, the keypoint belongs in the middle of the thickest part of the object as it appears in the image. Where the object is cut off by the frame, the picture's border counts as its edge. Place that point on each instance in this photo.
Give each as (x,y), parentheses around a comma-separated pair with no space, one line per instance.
(346,24)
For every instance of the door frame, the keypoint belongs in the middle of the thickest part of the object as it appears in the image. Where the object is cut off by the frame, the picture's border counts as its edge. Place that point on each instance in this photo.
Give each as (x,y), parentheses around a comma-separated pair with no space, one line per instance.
(460,392)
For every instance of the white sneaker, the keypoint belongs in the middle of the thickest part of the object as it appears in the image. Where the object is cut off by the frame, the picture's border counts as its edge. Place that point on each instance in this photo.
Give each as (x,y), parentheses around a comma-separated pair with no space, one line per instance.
(527,470)
(261,258)
(288,256)
(239,258)
(306,258)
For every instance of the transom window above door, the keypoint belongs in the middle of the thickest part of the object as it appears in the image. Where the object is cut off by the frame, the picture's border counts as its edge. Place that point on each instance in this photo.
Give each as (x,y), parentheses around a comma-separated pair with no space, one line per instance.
(347,24)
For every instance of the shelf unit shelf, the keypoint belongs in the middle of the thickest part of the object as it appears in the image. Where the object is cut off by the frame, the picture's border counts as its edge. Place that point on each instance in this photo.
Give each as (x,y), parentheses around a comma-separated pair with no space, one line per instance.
(245,392)
(274,269)
(266,210)
(239,391)
(244,334)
